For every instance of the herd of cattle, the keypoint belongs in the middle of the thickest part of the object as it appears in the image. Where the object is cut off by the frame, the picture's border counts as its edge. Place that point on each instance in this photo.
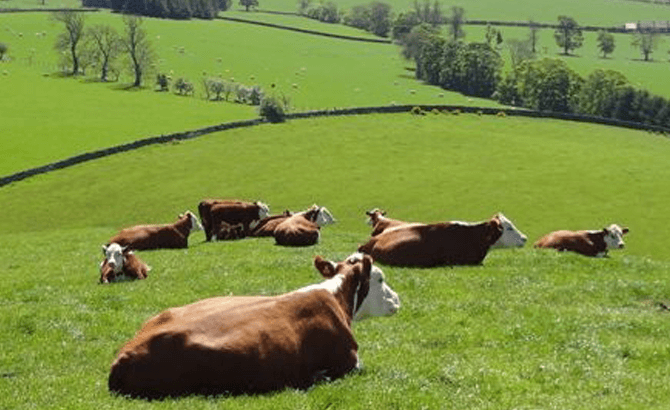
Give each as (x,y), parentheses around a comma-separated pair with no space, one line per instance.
(251,344)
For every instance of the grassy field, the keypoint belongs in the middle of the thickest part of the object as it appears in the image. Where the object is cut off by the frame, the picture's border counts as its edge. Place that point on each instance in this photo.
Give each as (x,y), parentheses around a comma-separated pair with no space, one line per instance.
(314,72)
(528,329)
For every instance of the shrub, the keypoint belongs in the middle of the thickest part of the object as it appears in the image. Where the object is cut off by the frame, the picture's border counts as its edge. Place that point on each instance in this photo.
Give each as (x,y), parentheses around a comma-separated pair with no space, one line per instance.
(417,111)
(183,87)
(163,82)
(255,95)
(3,50)
(273,108)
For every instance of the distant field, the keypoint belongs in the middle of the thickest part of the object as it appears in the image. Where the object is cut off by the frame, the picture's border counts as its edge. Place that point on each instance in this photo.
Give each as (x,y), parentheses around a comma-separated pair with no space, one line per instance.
(528,329)
(315,72)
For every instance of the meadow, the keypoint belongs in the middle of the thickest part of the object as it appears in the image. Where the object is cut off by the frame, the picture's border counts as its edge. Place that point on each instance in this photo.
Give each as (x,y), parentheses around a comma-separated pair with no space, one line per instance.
(528,329)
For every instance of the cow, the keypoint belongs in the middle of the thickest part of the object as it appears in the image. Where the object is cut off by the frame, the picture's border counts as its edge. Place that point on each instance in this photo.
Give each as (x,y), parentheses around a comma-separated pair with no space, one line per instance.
(256,344)
(511,237)
(303,228)
(377,218)
(214,212)
(447,243)
(266,226)
(121,264)
(169,236)
(589,243)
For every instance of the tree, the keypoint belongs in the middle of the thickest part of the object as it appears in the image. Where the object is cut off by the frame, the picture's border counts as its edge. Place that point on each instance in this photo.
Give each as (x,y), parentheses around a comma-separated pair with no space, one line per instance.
(647,42)
(455,22)
(534,35)
(605,42)
(519,51)
(599,92)
(404,23)
(249,4)
(548,84)
(69,41)
(380,18)
(478,68)
(136,44)
(105,44)
(303,6)
(416,39)
(568,35)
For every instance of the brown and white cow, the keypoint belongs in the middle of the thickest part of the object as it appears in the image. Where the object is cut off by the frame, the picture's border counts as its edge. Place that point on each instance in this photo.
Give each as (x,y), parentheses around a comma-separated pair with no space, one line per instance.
(216,213)
(448,243)
(266,226)
(588,243)
(303,228)
(511,237)
(252,344)
(121,264)
(169,236)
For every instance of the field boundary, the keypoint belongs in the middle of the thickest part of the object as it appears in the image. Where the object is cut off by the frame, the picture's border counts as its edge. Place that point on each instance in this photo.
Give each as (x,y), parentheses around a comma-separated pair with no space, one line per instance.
(306,31)
(393,109)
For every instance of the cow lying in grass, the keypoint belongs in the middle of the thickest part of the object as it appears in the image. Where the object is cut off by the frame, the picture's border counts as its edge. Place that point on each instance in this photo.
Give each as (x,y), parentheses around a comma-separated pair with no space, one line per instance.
(218,215)
(588,243)
(121,264)
(169,236)
(303,228)
(266,227)
(377,218)
(252,344)
(448,243)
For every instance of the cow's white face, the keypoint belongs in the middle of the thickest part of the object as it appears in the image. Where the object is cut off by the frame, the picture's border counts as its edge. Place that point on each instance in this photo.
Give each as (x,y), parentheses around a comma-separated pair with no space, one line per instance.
(195,223)
(324,217)
(114,256)
(381,300)
(511,236)
(614,236)
(263,210)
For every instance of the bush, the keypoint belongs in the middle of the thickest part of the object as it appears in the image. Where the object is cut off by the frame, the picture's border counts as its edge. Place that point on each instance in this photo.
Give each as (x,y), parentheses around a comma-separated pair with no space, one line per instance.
(273,108)
(183,87)
(3,50)
(326,12)
(163,82)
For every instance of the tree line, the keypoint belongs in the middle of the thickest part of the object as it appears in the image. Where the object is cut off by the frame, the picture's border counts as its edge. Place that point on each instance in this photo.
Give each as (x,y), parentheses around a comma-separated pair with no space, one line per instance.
(547,84)
(174,9)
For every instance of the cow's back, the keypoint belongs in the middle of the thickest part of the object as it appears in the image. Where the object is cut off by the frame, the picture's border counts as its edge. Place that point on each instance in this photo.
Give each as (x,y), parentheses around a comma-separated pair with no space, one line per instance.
(145,237)
(430,245)
(297,231)
(267,226)
(584,242)
(236,345)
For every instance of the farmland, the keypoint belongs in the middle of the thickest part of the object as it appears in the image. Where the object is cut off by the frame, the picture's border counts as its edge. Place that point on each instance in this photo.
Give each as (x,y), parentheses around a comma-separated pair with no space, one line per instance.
(527,329)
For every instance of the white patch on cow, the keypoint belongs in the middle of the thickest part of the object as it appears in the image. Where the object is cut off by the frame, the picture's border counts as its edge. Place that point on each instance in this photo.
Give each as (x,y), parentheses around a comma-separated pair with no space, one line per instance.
(195,223)
(253,224)
(324,217)
(331,285)
(263,210)
(406,226)
(114,256)
(381,300)
(614,237)
(511,236)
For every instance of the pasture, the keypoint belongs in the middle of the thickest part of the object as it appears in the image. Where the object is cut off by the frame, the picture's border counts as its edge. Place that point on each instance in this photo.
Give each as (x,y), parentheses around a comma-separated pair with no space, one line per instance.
(528,329)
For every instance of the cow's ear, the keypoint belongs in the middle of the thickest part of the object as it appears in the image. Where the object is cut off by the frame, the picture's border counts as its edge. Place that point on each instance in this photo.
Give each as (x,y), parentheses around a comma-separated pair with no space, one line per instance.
(104,249)
(367,264)
(624,230)
(326,268)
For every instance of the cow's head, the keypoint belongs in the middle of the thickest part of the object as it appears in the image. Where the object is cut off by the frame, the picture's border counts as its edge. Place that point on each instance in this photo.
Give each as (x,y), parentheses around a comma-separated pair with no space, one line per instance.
(113,263)
(263,209)
(378,300)
(324,217)
(374,215)
(613,236)
(511,237)
(195,223)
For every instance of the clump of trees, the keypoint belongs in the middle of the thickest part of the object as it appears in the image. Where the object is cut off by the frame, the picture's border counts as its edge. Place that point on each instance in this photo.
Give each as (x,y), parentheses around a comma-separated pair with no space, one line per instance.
(326,12)
(471,68)
(174,9)
(374,17)
(100,46)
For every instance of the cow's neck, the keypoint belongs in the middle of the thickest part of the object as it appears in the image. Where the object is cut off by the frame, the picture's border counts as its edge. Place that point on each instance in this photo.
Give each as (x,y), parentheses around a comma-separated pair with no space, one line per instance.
(347,290)
(184,225)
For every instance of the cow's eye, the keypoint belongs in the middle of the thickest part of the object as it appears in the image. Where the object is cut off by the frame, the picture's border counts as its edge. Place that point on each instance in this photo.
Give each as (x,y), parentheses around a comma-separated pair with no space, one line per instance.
(381,280)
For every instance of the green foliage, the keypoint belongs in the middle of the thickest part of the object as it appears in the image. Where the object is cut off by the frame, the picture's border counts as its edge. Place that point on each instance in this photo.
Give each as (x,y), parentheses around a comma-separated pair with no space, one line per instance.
(374,17)
(404,23)
(606,43)
(647,42)
(174,9)
(249,4)
(326,12)
(568,35)
(429,14)
(3,50)
(455,23)
(273,108)
(68,42)
(599,93)
(547,84)
(163,82)
(183,87)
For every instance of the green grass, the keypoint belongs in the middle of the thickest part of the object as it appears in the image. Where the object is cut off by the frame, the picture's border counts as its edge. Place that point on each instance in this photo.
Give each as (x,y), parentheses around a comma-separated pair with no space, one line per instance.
(528,329)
